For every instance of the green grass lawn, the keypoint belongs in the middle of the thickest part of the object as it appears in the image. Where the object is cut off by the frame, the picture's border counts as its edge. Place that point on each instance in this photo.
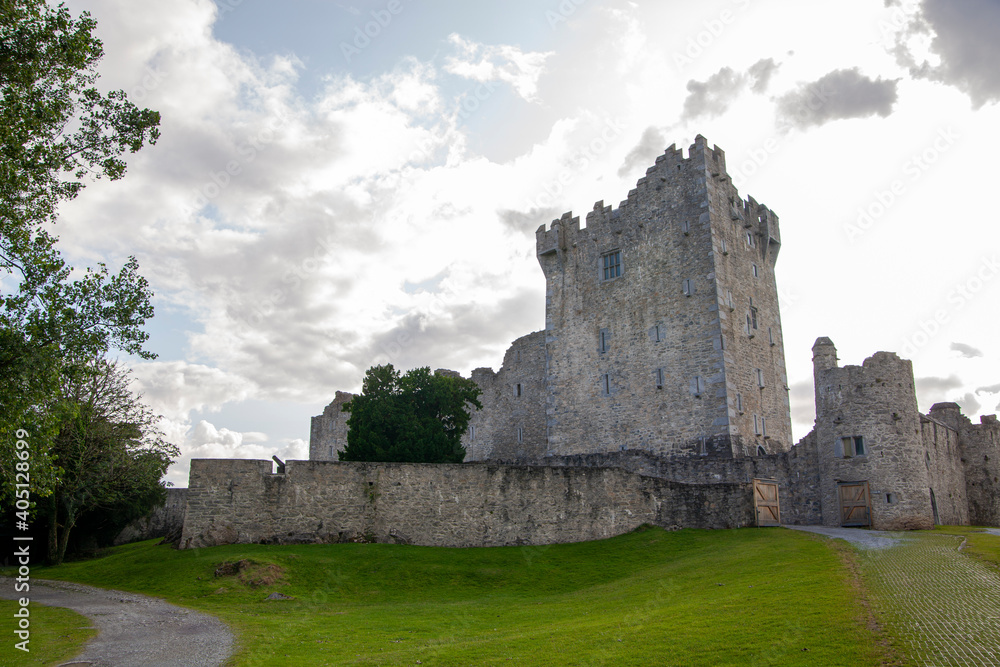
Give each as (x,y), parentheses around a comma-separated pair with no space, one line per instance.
(57,635)
(692,597)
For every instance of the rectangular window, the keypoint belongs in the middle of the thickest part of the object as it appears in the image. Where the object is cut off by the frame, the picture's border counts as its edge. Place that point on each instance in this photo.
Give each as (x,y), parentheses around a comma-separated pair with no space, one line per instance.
(659,378)
(611,265)
(685,227)
(739,403)
(760,377)
(657,333)
(763,427)
(730,301)
(770,336)
(517,389)
(472,433)
(520,434)
(851,446)
(688,287)
(750,241)
(724,247)
(756,425)
(756,271)
(753,317)
(333,452)
(697,385)
(606,384)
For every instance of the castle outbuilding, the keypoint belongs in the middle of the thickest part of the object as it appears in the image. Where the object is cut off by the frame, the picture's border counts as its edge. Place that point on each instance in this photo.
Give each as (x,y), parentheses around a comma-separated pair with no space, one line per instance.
(660,372)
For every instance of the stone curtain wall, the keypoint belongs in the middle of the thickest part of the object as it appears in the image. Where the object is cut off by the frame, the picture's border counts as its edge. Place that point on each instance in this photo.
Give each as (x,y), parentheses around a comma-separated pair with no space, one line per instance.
(795,471)
(456,505)
(945,472)
(980,449)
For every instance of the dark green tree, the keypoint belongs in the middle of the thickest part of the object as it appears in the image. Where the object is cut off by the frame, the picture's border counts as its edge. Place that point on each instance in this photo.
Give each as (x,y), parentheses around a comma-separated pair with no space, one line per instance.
(56,132)
(419,417)
(109,452)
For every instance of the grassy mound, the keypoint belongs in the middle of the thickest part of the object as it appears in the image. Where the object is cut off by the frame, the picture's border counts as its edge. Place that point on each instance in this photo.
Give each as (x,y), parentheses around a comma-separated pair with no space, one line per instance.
(691,597)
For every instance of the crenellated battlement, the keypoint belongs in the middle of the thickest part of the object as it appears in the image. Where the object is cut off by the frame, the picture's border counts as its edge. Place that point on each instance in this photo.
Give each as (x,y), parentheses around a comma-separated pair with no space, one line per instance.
(670,168)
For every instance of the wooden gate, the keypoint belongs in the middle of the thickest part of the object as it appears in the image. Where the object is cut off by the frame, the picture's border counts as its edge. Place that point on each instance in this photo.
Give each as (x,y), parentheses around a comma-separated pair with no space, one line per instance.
(765,502)
(855,504)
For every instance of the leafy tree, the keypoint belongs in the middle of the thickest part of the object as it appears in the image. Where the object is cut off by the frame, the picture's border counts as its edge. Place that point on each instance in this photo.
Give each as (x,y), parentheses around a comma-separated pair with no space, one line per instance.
(419,417)
(110,454)
(56,131)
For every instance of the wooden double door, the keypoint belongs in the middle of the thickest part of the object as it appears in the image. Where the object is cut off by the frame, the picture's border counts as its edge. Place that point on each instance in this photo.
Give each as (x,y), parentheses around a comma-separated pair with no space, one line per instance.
(855,504)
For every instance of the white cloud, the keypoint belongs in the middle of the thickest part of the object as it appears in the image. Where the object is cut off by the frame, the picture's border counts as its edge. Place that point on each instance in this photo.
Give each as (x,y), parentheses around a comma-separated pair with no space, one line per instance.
(486,63)
(175,388)
(206,441)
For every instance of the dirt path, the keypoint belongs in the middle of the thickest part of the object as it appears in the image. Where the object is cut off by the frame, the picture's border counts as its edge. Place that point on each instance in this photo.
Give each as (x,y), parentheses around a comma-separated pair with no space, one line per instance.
(134,629)
(943,605)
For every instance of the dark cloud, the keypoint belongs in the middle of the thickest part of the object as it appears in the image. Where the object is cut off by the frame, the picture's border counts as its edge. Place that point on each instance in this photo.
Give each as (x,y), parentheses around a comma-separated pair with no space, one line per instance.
(992,389)
(650,145)
(713,96)
(455,335)
(966,350)
(761,72)
(970,405)
(527,222)
(842,93)
(802,399)
(964,37)
(931,390)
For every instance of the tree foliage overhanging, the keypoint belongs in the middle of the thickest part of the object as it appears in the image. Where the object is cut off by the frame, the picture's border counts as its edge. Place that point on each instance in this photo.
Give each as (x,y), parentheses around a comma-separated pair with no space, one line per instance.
(57,131)
(419,417)
(111,457)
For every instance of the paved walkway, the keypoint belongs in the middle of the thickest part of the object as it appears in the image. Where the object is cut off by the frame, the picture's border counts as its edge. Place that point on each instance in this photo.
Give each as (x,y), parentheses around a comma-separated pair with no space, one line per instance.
(134,629)
(943,605)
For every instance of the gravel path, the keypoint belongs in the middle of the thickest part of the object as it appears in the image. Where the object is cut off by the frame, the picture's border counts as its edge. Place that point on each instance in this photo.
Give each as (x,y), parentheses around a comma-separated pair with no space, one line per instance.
(134,629)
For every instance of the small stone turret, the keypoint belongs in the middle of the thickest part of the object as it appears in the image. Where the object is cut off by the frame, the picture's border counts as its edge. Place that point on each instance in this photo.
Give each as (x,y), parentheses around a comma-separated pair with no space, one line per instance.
(824,354)
(869,443)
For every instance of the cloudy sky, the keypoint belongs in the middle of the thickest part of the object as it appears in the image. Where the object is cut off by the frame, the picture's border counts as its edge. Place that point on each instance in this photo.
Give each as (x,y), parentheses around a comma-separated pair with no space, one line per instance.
(346,183)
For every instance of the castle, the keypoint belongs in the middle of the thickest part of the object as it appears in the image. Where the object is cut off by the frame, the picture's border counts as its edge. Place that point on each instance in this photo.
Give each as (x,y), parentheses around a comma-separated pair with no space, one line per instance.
(656,393)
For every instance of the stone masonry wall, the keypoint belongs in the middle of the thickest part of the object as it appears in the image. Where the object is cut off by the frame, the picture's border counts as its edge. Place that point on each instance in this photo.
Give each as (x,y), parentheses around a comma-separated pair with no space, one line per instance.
(980,456)
(795,471)
(328,431)
(457,505)
(745,244)
(946,474)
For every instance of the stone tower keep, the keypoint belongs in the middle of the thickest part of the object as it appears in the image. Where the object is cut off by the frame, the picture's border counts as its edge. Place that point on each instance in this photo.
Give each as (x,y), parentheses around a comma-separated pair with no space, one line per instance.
(662,324)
